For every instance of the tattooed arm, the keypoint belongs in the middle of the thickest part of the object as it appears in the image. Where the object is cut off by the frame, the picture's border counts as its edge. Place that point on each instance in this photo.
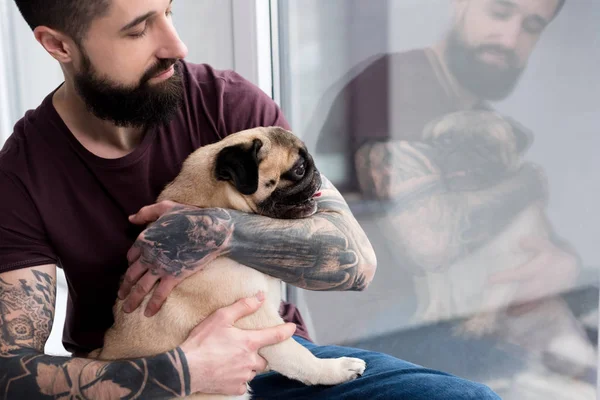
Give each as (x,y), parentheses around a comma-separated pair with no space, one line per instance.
(431,223)
(327,251)
(27,300)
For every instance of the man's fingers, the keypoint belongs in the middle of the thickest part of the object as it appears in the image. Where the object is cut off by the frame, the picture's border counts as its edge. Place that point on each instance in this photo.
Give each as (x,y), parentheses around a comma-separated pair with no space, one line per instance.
(133,254)
(133,274)
(139,291)
(242,307)
(273,335)
(159,296)
(151,213)
(261,364)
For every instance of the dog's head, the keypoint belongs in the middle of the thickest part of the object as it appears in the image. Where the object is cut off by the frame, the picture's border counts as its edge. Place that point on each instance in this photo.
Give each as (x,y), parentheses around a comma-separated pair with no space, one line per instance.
(266,171)
(476,148)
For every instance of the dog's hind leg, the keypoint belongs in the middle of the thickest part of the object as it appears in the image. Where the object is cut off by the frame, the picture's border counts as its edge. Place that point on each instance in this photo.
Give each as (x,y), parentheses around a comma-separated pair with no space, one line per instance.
(294,361)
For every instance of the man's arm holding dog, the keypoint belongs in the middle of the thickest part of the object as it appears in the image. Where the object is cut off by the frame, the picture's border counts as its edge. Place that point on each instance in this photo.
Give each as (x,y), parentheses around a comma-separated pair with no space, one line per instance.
(403,174)
(327,251)
(27,301)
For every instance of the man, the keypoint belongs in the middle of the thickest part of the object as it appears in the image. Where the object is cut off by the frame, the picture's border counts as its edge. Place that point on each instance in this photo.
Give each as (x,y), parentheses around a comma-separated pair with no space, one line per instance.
(98,149)
(391,102)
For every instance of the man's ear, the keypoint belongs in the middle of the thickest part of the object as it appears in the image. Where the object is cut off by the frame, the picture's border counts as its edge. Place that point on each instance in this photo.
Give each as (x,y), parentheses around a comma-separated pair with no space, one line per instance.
(57,44)
(239,164)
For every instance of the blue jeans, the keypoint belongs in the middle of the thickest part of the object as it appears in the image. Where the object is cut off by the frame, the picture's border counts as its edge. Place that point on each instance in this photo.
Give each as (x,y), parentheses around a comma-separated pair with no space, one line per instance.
(386,377)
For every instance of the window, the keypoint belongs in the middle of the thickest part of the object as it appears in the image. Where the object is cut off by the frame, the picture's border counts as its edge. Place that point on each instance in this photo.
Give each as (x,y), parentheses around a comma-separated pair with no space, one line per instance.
(454,132)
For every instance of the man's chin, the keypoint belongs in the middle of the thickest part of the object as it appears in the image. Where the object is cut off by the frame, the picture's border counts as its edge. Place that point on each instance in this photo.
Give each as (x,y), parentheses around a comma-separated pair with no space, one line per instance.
(144,107)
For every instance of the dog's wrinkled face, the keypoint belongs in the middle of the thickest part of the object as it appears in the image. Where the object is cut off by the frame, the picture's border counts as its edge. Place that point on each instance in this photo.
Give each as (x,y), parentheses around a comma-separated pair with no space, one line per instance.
(272,171)
(475,149)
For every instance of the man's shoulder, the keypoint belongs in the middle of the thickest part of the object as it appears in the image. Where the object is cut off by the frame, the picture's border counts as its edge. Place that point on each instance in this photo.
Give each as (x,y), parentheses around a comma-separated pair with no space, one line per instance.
(412,59)
(381,72)
(18,142)
(208,75)
(25,141)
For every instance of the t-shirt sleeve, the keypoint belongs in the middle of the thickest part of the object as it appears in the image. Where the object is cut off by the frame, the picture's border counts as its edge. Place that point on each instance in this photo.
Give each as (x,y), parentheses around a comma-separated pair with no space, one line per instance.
(396,96)
(368,111)
(246,106)
(23,242)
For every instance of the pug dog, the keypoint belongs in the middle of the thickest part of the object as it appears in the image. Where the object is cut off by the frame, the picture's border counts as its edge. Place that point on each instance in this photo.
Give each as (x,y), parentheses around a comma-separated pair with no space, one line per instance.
(267,171)
(478,151)
(462,172)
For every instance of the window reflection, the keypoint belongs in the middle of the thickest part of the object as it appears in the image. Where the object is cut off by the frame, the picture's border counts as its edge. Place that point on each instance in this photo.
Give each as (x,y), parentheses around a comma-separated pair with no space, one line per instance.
(443,122)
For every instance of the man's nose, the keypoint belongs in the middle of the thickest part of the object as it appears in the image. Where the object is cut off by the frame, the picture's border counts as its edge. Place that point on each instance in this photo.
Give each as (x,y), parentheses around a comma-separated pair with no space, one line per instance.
(509,36)
(172,46)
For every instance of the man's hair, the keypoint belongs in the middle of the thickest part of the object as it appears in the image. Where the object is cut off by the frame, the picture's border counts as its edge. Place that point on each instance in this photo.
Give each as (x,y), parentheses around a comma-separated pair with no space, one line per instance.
(72,17)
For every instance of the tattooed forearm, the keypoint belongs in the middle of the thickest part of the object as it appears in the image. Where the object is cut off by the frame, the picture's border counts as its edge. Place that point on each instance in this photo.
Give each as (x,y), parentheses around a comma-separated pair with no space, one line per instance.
(431,222)
(26,314)
(398,170)
(327,251)
(185,237)
(28,374)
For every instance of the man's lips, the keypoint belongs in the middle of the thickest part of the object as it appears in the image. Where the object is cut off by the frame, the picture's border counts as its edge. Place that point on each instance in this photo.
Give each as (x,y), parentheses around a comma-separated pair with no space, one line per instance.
(165,72)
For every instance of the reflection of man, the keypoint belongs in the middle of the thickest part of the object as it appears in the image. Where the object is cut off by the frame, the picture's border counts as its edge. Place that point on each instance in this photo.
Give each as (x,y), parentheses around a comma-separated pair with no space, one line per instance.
(481,58)
(439,216)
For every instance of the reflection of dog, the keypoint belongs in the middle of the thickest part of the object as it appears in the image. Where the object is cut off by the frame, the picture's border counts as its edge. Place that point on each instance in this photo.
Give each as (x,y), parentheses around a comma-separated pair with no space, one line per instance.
(475,149)
(478,157)
(263,170)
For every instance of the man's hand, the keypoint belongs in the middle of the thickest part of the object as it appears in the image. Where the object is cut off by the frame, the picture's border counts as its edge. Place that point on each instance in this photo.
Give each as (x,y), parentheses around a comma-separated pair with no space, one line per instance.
(222,359)
(180,241)
(549,272)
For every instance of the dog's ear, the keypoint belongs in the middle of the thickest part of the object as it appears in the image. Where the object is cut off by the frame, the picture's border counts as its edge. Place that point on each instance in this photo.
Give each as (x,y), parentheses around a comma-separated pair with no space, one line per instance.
(523,135)
(239,164)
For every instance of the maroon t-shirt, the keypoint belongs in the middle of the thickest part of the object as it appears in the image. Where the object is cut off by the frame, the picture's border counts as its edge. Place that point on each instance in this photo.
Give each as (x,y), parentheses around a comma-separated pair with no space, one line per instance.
(397,95)
(63,205)
(392,98)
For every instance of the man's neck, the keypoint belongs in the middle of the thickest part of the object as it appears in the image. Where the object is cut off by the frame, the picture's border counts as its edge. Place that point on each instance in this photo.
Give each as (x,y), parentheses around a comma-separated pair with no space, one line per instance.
(100,137)
(464,96)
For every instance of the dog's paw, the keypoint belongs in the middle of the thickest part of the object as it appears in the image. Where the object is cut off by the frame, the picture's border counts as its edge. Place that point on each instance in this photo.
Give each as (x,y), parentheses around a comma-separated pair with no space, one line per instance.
(354,367)
(340,370)
(477,326)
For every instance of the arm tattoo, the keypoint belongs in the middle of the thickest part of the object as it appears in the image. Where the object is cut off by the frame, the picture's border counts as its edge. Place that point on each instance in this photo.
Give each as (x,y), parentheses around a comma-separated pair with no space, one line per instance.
(26,313)
(180,240)
(432,225)
(328,251)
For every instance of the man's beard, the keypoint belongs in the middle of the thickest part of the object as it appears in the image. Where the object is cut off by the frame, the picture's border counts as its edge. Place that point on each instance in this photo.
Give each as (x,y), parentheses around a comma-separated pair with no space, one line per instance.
(143,105)
(487,81)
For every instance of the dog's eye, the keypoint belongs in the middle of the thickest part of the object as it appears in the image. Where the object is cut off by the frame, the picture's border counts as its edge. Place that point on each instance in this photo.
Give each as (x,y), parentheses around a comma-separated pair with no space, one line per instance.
(300,170)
